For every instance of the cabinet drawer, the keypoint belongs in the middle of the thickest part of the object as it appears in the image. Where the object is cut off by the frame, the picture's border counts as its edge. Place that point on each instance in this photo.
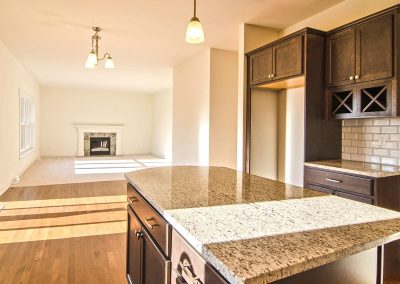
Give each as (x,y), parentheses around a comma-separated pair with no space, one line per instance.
(339,181)
(159,229)
(319,188)
(187,264)
(355,197)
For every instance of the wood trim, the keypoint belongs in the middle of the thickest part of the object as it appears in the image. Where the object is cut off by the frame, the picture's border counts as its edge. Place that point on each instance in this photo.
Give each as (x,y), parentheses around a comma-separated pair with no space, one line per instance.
(298,33)
(247,122)
(393,9)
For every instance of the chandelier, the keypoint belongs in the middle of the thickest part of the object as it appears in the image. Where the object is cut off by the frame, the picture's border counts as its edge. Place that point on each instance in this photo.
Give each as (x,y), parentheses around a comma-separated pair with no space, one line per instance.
(93,58)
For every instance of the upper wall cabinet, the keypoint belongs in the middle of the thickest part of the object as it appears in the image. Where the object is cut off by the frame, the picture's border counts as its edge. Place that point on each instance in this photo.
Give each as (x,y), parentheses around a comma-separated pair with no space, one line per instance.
(361,53)
(361,67)
(281,60)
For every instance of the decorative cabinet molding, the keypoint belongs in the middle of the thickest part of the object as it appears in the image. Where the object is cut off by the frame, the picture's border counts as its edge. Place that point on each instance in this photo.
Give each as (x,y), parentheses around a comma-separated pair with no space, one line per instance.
(361,67)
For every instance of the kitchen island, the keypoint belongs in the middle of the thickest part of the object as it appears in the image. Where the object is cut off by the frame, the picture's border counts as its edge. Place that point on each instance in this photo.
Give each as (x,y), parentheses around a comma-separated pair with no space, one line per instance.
(249,229)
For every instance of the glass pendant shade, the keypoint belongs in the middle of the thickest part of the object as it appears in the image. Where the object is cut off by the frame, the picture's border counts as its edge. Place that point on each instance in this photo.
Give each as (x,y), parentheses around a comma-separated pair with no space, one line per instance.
(92,58)
(194,31)
(109,64)
(89,64)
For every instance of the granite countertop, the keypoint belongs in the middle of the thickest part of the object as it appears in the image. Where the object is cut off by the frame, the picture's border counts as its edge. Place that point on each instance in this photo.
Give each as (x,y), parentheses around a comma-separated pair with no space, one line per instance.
(256,230)
(358,168)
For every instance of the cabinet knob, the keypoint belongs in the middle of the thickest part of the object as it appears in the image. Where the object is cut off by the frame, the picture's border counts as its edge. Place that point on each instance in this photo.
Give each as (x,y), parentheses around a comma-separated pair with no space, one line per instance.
(351,78)
(356,77)
(138,234)
(269,76)
(272,75)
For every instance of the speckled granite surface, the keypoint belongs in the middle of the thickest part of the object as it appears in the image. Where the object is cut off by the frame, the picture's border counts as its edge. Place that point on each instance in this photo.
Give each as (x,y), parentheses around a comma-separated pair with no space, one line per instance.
(255,230)
(358,168)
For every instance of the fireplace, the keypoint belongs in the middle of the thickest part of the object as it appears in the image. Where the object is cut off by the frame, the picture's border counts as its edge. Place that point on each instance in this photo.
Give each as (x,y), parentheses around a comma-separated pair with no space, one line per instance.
(100,146)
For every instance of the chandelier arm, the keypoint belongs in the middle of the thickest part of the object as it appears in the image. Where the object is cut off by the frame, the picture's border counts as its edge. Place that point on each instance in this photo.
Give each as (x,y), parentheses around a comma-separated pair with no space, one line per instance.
(104,56)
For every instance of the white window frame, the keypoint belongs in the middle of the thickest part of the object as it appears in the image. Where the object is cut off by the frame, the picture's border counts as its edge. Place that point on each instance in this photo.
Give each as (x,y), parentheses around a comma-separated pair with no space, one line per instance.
(27,114)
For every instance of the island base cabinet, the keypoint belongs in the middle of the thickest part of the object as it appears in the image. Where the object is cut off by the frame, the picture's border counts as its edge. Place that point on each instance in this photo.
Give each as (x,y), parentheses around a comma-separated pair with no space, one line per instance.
(188,267)
(360,268)
(146,264)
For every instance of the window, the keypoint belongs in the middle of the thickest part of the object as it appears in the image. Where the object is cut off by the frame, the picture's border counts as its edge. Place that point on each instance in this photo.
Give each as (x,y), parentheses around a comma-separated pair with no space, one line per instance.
(27,124)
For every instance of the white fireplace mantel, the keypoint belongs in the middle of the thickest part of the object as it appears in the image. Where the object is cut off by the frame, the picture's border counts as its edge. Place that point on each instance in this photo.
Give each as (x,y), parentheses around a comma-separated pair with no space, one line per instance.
(104,128)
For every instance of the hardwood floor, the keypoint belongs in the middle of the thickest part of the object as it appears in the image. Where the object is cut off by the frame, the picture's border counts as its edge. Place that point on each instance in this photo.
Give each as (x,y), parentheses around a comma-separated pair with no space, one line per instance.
(71,233)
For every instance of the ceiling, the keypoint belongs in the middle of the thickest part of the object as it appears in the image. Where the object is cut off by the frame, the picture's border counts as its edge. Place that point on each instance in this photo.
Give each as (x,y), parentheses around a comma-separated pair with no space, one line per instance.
(145,38)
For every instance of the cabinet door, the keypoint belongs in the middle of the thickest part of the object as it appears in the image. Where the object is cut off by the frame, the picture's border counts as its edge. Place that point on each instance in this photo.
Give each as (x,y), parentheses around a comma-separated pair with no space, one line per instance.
(261,66)
(341,58)
(288,58)
(374,45)
(134,249)
(156,268)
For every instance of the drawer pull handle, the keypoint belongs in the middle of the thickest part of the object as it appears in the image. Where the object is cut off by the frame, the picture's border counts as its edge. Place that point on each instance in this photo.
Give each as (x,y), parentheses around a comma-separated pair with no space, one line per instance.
(333,180)
(148,220)
(187,274)
(133,199)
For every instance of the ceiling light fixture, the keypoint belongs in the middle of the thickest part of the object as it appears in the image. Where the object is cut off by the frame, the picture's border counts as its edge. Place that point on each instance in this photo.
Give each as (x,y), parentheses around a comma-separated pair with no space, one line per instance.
(194,31)
(93,57)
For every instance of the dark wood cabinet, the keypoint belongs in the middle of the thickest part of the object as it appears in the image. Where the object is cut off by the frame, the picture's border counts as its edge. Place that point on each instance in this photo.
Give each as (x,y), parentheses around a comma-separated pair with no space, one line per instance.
(278,61)
(344,185)
(341,48)
(288,58)
(361,53)
(134,249)
(156,267)
(374,49)
(261,66)
(382,191)
(152,249)
(361,68)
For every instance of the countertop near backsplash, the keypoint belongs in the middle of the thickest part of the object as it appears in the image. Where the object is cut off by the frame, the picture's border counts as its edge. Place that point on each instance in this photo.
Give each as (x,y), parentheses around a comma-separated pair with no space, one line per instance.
(373,140)
(357,168)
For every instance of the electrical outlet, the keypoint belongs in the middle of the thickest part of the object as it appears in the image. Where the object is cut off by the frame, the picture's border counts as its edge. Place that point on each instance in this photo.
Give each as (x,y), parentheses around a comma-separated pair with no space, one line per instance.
(382,140)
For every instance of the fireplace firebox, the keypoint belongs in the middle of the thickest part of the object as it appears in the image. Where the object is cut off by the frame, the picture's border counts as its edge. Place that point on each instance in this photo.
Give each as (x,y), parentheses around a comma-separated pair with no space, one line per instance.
(100,146)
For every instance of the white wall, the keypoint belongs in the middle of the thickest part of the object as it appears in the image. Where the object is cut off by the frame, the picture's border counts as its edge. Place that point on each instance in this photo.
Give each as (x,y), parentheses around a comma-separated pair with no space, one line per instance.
(250,38)
(13,77)
(191,111)
(63,107)
(223,108)
(162,124)
(294,136)
(264,133)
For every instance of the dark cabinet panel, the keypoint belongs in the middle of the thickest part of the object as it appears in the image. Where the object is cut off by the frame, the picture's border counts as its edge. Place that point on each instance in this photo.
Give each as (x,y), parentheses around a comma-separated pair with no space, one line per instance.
(341,58)
(288,58)
(152,221)
(319,188)
(355,197)
(340,181)
(134,249)
(156,268)
(278,61)
(261,66)
(374,49)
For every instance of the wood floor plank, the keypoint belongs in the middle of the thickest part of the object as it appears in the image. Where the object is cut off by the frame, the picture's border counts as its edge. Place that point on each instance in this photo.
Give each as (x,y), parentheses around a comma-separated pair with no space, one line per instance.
(73,240)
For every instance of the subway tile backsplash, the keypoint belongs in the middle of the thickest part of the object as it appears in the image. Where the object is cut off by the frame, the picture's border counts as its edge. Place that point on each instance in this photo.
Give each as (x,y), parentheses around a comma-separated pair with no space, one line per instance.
(374,140)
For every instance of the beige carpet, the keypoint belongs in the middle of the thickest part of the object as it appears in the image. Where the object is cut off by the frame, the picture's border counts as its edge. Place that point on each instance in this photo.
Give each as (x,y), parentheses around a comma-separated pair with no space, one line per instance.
(64,170)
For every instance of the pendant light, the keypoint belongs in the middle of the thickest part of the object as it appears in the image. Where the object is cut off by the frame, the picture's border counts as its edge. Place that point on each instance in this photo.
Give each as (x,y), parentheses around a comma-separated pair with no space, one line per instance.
(194,31)
(93,57)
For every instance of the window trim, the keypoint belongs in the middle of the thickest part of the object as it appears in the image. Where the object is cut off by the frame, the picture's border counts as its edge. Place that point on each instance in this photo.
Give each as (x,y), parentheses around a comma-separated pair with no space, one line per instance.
(31,123)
